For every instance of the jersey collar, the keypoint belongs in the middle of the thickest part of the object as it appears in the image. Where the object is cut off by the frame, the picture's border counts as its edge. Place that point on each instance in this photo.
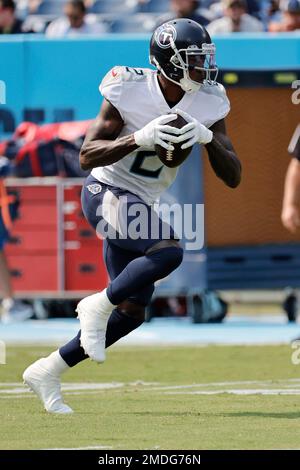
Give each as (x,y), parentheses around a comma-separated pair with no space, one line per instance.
(159,99)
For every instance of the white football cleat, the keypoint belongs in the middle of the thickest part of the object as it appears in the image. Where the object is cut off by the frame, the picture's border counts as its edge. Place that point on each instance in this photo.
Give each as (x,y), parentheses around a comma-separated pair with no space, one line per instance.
(93,324)
(46,386)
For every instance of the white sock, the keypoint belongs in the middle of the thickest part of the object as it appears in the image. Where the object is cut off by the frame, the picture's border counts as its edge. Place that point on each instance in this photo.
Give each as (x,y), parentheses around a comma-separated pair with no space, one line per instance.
(105,304)
(55,363)
(99,303)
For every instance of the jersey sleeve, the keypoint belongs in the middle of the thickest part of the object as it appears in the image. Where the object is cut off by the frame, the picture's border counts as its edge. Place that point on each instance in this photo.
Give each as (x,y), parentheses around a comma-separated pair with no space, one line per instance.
(225,106)
(112,87)
(223,103)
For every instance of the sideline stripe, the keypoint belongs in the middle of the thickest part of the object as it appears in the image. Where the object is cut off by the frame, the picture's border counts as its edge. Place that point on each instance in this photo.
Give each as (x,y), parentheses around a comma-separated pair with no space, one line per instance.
(262,387)
(239,392)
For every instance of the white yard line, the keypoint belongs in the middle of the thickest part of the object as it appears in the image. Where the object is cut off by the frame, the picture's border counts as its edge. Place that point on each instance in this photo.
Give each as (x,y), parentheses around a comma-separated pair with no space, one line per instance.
(229,383)
(262,387)
(239,392)
(16,389)
(154,385)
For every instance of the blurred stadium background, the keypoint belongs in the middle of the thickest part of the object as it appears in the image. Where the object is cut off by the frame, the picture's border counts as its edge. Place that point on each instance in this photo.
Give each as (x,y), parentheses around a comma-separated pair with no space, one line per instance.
(240,289)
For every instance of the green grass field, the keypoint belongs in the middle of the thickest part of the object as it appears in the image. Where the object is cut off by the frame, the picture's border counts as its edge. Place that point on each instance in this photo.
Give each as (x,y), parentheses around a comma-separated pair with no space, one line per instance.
(160,398)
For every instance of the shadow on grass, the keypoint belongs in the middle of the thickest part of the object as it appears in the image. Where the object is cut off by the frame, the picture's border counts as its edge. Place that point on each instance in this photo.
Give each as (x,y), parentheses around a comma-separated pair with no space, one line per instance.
(262,414)
(238,414)
(164,413)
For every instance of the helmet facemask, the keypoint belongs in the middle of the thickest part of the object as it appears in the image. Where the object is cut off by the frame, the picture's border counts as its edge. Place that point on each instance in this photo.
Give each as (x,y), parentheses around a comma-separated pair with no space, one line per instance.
(192,58)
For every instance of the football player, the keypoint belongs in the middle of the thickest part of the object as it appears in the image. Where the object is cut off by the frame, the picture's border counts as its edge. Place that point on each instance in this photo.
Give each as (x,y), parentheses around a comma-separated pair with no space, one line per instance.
(290,215)
(136,114)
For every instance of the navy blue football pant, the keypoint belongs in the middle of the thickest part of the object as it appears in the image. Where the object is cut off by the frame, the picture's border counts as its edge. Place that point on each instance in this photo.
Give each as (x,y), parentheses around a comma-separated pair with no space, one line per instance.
(130,229)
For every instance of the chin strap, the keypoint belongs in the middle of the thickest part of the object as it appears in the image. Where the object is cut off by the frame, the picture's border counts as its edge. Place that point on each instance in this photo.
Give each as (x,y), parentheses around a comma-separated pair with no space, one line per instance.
(184,83)
(188,86)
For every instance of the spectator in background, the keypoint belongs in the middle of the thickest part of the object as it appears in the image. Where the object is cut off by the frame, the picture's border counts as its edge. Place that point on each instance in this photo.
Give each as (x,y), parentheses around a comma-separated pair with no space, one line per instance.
(235,19)
(74,22)
(290,20)
(270,12)
(273,8)
(9,23)
(11,309)
(290,215)
(254,7)
(183,9)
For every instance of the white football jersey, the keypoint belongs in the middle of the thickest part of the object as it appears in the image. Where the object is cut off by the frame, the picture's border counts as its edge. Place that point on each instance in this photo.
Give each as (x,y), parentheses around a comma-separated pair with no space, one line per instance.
(136,94)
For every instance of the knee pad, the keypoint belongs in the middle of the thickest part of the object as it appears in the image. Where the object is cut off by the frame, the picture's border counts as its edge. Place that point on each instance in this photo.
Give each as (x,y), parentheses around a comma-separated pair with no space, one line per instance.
(168,252)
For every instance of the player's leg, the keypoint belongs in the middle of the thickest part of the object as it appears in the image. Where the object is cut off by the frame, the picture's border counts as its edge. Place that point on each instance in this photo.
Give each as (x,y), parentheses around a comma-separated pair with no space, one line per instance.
(43,376)
(156,258)
(130,313)
(126,317)
(158,262)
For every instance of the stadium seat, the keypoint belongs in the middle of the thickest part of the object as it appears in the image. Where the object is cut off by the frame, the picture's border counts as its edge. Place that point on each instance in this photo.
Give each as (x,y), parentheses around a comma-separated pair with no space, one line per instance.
(155,6)
(113,6)
(37,23)
(139,23)
(51,7)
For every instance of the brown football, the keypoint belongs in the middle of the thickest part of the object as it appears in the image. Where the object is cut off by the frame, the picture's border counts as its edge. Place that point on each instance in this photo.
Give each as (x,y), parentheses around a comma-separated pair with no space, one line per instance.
(173,158)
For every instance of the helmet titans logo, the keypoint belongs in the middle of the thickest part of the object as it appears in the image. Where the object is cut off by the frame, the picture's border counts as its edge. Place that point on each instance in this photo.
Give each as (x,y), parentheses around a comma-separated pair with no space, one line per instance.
(164,35)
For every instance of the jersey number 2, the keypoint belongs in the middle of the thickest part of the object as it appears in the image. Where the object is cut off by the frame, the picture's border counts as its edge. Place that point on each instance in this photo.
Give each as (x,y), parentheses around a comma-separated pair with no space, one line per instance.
(137,166)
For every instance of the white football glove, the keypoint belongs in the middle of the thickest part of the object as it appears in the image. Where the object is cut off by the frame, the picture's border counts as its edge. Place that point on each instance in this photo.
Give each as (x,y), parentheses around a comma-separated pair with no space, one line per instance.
(157,132)
(193,132)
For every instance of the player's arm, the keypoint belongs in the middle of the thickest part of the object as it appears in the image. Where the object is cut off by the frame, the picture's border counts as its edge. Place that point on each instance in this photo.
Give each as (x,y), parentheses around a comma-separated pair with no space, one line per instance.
(102,146)
(290,215)
(220,151)
(222,156)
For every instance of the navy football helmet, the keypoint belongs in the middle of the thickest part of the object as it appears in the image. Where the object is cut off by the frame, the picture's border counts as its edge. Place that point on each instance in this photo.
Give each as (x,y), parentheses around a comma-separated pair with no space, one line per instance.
(180,46)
